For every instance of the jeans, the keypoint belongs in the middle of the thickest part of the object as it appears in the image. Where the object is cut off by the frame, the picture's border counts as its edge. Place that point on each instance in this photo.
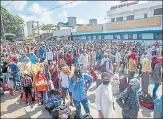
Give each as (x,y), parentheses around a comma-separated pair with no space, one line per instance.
(156,86)
(5,77)
(43,96)
(78,107)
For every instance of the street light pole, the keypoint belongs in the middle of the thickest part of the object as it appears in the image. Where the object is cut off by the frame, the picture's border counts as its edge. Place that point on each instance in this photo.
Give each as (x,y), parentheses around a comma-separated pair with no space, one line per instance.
(3,31)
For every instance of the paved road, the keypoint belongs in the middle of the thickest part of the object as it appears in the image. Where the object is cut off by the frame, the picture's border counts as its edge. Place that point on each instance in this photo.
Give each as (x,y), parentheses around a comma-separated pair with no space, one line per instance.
(12,107)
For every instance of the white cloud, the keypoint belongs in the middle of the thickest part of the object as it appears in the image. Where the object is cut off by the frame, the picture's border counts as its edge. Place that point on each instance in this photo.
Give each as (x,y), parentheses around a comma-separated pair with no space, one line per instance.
(63,14)
(82,21)
(15,5)
(73,4)
(44,17)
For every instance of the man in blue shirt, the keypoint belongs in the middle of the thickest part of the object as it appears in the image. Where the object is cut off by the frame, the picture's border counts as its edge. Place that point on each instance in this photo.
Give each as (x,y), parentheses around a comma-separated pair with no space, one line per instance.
(33,58)
(42,53)
(14,71)
(78,85)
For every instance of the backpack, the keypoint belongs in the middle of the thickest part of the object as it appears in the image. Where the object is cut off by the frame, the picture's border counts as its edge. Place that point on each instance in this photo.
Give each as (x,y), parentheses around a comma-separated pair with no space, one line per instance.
(103,67)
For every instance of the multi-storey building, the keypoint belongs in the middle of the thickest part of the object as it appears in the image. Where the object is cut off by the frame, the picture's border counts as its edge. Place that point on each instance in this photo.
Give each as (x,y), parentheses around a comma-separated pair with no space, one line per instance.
(127,21)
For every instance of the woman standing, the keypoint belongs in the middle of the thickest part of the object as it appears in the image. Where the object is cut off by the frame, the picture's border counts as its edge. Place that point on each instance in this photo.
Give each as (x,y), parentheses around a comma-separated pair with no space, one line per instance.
(132,66)
(104,97)
(157,76)
(128,100)
(41,86)
(146,69)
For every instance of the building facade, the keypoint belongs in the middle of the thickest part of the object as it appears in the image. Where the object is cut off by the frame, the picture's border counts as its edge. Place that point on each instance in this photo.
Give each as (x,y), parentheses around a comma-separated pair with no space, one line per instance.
(127,21)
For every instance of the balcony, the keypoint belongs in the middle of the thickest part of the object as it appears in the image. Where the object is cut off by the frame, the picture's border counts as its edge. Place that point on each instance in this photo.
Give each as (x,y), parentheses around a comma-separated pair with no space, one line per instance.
(131,24)
(93,28)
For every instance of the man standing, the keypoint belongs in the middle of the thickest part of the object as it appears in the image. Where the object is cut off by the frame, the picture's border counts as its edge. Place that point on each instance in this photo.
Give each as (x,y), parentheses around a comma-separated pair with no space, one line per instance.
(79,84)
(83,59)
(33,58)
(117,60)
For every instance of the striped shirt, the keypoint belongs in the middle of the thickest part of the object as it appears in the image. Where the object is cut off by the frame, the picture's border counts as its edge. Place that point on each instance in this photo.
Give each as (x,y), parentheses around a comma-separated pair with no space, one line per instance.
(26,81)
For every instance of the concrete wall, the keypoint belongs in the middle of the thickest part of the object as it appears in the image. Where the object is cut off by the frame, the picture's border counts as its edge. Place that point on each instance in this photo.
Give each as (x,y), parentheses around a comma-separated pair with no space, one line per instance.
(131,24)
(92,28)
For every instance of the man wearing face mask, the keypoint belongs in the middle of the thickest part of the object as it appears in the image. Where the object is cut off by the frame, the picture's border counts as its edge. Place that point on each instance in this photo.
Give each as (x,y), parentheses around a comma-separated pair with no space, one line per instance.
(104,97)
(128,100)
(79,83)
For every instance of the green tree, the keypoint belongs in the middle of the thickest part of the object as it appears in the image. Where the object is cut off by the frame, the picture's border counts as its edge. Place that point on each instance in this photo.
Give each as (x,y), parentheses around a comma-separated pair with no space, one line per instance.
(47,27)
(11,23)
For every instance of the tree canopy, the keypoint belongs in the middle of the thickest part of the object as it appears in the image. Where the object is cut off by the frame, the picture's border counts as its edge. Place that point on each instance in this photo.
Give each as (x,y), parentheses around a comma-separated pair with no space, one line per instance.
(47,26)
(11,23)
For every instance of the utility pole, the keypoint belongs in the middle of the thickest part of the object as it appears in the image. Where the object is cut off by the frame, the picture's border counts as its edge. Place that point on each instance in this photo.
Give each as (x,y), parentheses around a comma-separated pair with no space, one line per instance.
(3,31)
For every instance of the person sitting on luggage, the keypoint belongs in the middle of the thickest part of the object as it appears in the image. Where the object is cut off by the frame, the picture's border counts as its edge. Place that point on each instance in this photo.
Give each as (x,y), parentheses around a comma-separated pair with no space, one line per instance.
(26,84)
(128,100)
(77,85)
(104,97)
(64,83)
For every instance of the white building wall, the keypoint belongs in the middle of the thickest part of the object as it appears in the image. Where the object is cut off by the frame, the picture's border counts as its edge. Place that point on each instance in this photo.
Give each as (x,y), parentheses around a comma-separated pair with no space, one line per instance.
(147,36)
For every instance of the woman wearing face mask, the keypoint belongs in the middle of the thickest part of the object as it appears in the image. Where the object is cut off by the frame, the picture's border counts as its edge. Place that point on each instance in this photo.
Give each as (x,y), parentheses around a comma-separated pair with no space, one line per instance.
(128,100)
(104,97)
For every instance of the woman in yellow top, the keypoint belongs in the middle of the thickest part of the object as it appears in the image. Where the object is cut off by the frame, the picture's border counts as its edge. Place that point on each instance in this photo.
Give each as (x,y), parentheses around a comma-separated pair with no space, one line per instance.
(146,69)
(132,66)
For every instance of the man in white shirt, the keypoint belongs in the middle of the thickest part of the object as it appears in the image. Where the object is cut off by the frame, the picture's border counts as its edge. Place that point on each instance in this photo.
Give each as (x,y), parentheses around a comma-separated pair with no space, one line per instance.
(105,58)
(64,84)
(117,60)
(83,59)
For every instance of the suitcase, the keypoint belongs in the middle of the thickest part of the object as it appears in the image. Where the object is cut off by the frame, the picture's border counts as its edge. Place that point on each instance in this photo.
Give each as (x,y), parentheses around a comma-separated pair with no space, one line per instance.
(5,86)
(61,112)
(123,83)
(146,100)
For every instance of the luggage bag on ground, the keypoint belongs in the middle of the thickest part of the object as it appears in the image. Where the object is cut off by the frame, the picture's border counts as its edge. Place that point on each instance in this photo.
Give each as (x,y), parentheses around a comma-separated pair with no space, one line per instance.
(61,112)
(123,83)
(146,100)
(5,86)
(53,102)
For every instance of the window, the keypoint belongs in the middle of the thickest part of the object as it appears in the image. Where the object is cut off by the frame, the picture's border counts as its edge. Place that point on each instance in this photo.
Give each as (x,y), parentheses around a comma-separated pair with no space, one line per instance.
(112,19)
(130,36)
(158,11)
(97,37)
(121,36)
(119,19)
(91,37)
(139,36)
(131,17)
(102,37)
(114,36)
(145,15)
(157,36)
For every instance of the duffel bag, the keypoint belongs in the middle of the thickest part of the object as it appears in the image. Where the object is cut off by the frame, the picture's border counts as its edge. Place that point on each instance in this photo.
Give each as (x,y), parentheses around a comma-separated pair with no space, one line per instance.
(5,86)
(61,112)
(53,102)
(146,100)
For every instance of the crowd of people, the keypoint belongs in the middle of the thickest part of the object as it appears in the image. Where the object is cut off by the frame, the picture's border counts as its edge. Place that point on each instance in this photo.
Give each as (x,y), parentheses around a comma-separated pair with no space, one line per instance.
(35,66)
